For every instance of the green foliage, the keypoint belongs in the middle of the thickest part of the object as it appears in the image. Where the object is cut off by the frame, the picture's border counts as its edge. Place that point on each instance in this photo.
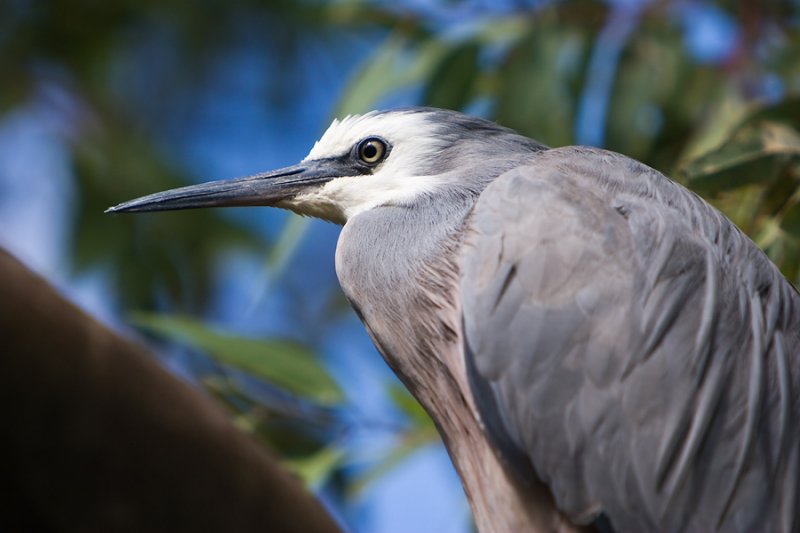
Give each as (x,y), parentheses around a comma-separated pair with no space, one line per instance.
(302,435)
(536,87)
(286,364)
(295,431)
(756,153)
(174,254)
(390,69)
(453,77)
(315,469)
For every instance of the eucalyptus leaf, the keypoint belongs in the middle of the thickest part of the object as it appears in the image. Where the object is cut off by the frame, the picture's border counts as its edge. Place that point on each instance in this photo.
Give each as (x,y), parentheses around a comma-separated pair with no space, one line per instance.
(784,251)
(171,254)
(397,64)
(790,222)
(450,85)
(536,90)
(409,406)
(786,111)
(314,469)
(754,154)
(291,432)
(647,78)
(284,363)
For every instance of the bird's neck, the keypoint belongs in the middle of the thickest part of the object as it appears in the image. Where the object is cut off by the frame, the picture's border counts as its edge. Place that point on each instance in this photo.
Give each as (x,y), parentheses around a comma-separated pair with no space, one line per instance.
(399,267)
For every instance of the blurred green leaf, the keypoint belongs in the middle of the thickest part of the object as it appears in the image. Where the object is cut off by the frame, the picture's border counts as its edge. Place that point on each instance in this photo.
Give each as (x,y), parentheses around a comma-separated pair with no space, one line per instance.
(289,428)
(450,84)
(741,205)
(648,76)
(504,30)
(790,221)
(409,406)
(784,251)
(314,469)
(786,111)
(538,84)
(397,64)
(723,116)
(284,363)
(173,253)
(754,154)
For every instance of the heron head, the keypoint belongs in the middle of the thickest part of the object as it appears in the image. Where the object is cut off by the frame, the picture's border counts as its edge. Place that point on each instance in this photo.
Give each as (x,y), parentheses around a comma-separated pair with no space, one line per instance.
(365,161)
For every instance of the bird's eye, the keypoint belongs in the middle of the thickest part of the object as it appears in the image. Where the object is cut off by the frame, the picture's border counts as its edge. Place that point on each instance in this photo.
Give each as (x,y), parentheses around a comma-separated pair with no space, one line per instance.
(372,151)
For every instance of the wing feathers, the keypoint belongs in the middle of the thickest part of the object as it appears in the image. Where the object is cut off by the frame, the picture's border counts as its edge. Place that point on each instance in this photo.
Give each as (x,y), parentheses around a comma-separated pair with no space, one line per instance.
(630,334)
(753,400)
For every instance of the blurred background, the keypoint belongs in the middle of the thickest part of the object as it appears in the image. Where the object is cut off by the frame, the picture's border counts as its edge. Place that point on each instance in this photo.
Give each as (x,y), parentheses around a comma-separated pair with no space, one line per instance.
(101,102)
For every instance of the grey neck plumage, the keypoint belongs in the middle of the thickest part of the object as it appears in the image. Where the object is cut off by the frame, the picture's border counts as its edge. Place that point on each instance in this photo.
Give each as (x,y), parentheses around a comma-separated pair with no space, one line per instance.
(399,267)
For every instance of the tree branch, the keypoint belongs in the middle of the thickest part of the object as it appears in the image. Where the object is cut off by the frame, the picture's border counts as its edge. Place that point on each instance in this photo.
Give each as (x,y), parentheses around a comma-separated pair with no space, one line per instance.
(98,436)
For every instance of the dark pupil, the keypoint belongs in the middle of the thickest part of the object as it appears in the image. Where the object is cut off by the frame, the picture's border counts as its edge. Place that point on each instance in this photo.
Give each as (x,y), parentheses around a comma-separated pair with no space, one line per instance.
(370,151)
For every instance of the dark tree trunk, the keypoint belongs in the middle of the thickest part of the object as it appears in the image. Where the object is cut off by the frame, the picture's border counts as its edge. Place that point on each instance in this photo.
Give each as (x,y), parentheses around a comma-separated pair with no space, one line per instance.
(97,436)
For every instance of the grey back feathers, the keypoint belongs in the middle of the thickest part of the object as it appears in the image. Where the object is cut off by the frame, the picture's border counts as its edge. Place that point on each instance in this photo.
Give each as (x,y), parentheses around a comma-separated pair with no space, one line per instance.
(628,344)
(647,363)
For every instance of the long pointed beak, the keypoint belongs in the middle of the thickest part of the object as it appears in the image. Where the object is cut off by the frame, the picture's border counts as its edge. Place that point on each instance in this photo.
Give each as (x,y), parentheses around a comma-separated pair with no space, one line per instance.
(264,189)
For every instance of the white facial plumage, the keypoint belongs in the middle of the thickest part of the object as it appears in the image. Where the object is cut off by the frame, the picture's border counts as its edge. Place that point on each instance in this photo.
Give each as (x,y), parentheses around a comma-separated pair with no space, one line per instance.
(398,179)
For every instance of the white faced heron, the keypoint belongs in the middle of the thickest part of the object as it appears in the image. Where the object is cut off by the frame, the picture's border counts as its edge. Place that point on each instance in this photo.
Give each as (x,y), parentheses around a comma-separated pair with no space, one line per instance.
(598,347)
